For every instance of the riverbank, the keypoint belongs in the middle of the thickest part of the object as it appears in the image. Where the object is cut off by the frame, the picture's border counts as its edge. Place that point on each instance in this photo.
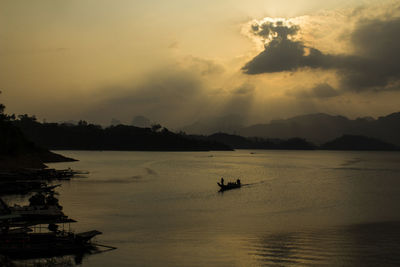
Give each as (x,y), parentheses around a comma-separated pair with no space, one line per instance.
(34,160)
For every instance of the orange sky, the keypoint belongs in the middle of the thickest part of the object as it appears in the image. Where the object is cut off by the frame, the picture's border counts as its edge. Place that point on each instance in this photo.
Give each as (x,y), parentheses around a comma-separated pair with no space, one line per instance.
(179,61)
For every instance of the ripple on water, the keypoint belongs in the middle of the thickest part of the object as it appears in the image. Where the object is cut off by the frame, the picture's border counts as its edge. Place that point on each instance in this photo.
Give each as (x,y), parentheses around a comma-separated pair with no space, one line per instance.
(356,245)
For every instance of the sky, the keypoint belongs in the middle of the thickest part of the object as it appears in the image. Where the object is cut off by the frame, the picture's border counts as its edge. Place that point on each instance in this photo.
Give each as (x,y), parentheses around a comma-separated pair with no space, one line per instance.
(180,61)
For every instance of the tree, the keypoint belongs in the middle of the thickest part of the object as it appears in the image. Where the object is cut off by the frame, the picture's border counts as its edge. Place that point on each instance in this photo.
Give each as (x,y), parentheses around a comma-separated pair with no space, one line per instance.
(156,127)
(82,123)
(25,118)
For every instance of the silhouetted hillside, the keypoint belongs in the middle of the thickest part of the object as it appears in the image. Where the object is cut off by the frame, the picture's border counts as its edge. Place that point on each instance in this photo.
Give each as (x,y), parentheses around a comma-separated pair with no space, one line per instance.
(358,142)
(86,136)
(16,151)
(320,128)
(239,142)
(226,124)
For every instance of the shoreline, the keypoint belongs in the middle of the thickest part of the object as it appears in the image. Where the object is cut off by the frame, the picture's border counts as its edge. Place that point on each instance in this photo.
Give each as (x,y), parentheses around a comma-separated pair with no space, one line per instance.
(31,160)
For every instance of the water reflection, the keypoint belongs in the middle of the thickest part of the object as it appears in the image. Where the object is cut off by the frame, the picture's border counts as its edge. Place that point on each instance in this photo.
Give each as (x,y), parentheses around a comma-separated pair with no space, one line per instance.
(373,244)
(163,209)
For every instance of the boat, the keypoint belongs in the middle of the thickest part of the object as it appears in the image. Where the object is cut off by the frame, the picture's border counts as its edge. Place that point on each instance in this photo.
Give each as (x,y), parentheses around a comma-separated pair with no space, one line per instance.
(229,185)
(40,207)
(33,239)
(37,212)
(42,230)
(23,243)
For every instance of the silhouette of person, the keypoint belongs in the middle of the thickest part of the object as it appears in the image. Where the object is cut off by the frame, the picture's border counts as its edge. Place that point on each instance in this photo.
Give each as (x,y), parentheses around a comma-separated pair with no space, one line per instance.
(238,181)
(222,180)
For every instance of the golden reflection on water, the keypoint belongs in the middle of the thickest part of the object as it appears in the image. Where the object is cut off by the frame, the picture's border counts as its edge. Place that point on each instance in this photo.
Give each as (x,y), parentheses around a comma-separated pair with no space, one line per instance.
(301,207)
(373,244)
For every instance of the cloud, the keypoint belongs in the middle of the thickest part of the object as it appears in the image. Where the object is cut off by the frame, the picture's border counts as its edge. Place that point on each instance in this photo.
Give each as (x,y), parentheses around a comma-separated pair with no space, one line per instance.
(377,44)
(282,52)
(159,87)
(373,64)
(173,45)
(286,55)
(322,91)
(275,30)
(244,89)
(179,91)
(203,66)
(162,95)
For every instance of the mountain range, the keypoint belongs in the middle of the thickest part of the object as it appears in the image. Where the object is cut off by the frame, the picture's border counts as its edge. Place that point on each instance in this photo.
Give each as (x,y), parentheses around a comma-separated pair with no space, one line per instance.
(317,128)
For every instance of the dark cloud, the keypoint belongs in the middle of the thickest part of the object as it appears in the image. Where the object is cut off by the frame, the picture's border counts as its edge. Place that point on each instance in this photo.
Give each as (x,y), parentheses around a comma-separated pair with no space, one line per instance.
(176,94)
(286,55)
(281,53)
(167,88)
(161,95)
(373,66)
(244,89)
(377,44)
(322,90)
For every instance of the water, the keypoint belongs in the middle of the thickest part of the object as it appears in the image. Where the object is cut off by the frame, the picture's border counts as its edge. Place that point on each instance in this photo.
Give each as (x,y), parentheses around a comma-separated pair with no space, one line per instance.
(301,207)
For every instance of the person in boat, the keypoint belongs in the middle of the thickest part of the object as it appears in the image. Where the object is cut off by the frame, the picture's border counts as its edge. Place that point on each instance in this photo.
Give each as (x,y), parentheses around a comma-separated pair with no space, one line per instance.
(222,180)
(238,182)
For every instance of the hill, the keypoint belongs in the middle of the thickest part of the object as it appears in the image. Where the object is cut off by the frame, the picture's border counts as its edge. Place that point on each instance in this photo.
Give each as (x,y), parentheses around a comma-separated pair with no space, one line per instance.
(320,128)
(206,126)
(357,142)
(16,151)
(84,136)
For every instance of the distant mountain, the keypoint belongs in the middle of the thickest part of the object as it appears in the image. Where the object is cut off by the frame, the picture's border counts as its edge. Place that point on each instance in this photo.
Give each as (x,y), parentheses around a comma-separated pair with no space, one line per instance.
(226,124)
(357,142)
(141,121)
(345,142)
(314,127)
(320,128)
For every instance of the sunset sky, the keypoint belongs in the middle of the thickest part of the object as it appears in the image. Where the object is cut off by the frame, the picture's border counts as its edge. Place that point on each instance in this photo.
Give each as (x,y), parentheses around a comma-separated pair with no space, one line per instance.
(179,61)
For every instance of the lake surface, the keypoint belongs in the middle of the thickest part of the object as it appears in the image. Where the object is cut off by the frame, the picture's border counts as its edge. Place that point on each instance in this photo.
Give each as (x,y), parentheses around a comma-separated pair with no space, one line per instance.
(300,208)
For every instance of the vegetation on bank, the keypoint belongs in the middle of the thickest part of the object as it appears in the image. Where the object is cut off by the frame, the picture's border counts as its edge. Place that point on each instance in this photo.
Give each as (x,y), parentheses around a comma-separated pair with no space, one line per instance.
(240,142)
(24,140)
(345,142)
(358,142)
(17,151)
(85,136)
